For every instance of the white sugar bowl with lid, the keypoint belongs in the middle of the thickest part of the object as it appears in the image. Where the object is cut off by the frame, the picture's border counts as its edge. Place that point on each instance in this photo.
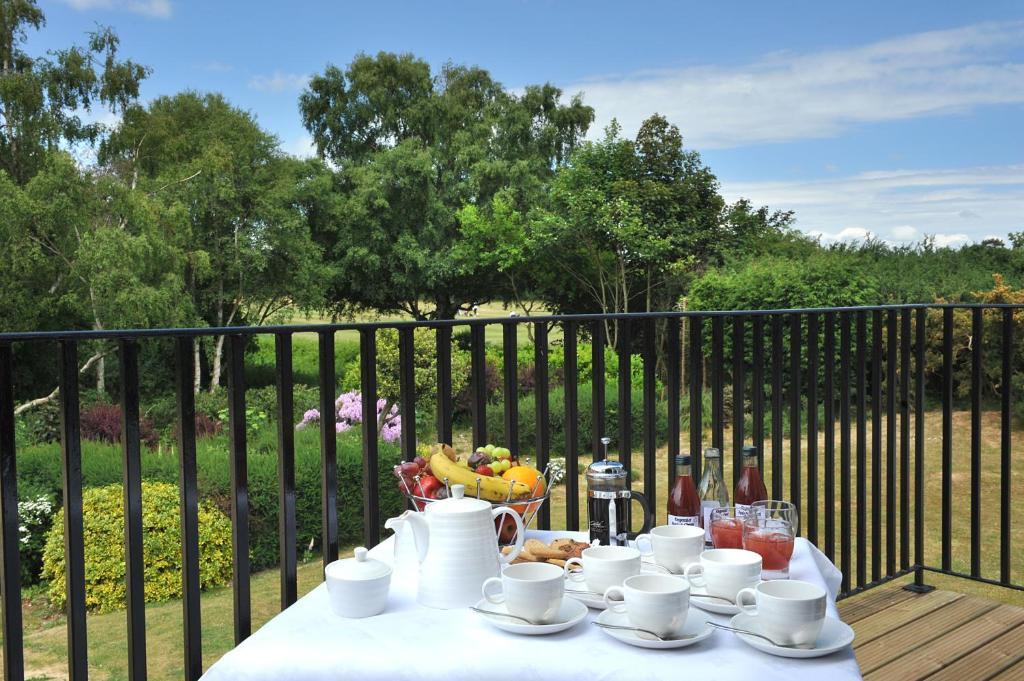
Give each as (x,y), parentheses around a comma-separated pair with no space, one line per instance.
(358,587)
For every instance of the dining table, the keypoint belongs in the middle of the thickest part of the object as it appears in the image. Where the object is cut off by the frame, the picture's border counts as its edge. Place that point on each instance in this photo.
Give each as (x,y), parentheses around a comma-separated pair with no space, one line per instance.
(409,642)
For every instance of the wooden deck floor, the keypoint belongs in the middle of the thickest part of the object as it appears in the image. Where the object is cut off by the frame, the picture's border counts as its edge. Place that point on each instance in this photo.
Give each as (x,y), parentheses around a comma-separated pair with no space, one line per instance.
(941,635)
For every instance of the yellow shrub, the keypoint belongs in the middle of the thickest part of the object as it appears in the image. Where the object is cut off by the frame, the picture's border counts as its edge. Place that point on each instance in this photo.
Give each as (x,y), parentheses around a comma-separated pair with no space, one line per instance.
(103,523)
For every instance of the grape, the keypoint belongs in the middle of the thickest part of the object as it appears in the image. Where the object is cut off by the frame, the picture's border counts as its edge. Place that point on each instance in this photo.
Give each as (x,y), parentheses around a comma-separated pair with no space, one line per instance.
(420,461)
(410,468)
(397,471)
(407,483)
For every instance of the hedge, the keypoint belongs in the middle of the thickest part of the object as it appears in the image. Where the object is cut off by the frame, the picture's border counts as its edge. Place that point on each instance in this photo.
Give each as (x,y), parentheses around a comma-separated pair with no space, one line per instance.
(39,474)
(556,401)
(103,525)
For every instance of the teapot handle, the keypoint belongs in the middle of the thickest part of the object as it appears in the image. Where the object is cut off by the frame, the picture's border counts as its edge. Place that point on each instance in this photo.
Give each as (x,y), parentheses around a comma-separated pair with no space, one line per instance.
(505,559)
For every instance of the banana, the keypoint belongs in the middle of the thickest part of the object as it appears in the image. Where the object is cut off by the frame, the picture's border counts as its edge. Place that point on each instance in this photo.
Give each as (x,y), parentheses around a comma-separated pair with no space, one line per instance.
(491,489)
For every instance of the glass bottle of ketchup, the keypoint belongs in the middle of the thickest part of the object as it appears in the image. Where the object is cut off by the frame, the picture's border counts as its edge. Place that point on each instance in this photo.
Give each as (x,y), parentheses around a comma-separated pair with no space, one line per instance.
(750,487)
(683,501)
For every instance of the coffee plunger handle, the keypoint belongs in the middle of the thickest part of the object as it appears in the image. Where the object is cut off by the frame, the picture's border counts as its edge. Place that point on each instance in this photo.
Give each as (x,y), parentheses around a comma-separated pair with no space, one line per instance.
(648,516)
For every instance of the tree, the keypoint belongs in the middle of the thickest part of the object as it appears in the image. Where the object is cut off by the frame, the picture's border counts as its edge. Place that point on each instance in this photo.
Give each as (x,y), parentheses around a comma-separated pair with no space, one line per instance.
(249,251)
(42,99)
(413,149)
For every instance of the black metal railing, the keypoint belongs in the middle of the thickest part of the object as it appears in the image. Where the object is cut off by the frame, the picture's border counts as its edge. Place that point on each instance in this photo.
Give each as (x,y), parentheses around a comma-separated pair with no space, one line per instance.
(843,369)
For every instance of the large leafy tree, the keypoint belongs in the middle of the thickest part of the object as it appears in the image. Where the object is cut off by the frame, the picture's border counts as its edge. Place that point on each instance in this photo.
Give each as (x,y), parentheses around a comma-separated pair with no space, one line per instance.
(43,99)
(631,222)
(413,149)
(246,206)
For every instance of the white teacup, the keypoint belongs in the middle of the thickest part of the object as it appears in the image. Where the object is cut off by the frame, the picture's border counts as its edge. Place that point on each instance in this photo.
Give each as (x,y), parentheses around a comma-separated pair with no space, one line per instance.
(530,590)
(657,603)
(723,572)
(673,546)
(789,612)
(604,566)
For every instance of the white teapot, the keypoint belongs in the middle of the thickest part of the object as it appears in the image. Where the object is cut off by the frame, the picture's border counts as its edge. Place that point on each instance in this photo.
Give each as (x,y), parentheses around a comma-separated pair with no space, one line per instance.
(457,546)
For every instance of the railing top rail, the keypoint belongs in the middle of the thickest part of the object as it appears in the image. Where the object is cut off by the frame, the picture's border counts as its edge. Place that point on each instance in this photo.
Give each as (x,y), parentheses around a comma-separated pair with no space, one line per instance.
(114,334)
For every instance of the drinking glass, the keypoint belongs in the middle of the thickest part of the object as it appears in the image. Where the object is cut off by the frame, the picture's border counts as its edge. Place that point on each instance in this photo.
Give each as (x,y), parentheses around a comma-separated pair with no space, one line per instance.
(773,539)
(727,527)
(783,510)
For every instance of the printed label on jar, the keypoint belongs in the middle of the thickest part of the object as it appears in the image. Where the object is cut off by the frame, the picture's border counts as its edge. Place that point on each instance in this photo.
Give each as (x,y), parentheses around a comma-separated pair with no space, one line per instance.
(706,507)
(683,520)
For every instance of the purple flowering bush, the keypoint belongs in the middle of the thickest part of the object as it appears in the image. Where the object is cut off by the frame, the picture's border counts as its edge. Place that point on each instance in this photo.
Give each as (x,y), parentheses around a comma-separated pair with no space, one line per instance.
(348,413)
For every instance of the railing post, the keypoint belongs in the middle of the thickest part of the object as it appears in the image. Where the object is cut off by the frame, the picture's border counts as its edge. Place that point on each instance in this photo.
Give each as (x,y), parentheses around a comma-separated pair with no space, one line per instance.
(542,414)
(510,383)
(407,391)
(478,384)
(572,445)
(237,442)
(74,540)
(918,585)
(371,425)
(328,450)
(189,501)
(133,555)
(444,384)
(10,565)
(286,468)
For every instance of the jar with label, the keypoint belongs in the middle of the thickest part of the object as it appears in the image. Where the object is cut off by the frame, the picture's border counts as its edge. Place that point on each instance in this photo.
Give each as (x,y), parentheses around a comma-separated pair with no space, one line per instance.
(683,501)
(712,490)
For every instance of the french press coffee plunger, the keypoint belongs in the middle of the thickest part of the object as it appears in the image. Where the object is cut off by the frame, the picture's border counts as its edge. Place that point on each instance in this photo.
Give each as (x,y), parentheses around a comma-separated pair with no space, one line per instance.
(608,501)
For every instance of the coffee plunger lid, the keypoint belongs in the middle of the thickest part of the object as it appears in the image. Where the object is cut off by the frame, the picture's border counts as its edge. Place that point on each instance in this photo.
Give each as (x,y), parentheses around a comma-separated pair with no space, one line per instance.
(606,470)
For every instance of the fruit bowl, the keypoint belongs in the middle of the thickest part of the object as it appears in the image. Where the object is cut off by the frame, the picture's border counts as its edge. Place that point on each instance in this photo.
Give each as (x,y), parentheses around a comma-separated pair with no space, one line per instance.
(526,507)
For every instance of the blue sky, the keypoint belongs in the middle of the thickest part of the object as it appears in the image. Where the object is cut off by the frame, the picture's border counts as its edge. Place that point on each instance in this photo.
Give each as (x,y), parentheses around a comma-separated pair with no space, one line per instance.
(898,119)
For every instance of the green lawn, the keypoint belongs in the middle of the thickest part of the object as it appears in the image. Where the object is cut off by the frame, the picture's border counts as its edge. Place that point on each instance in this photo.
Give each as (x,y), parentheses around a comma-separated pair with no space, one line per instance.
(488,310)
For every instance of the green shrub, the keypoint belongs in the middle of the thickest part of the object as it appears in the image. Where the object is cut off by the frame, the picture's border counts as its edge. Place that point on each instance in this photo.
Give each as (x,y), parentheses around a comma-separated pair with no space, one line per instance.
(260,361)
(556,400)
(39,474)
(103,522)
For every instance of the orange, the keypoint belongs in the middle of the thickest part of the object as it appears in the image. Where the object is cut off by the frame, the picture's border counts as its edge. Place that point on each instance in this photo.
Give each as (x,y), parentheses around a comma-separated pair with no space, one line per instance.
(532,478)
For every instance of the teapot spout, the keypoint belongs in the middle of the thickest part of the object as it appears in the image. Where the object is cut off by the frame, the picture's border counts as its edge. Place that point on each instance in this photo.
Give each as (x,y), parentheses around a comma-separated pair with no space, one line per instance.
(417,524)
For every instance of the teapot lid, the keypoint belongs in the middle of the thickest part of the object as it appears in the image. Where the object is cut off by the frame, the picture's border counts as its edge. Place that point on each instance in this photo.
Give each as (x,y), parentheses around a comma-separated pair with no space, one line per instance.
(359,568)
(458,502)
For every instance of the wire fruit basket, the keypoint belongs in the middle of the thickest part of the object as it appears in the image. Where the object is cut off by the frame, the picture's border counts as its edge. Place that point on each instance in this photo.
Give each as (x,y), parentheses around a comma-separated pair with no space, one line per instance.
(527,507)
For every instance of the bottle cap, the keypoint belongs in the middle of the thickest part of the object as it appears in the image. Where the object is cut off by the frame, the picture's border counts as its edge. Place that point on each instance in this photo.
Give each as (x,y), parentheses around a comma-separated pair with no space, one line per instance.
(712,453)
(682,459)
(749,450)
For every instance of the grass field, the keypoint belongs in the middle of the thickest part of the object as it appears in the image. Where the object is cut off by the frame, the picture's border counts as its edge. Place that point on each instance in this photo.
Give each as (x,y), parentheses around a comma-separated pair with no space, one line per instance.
(488,310)
(46,636)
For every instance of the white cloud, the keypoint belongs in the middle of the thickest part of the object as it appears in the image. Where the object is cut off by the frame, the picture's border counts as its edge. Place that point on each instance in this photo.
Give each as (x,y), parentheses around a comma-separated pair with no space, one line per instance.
(905,233)
(942,240)
(278,81)
(218,67)
(302,147)
(787,96)
(159,9)
(955,205)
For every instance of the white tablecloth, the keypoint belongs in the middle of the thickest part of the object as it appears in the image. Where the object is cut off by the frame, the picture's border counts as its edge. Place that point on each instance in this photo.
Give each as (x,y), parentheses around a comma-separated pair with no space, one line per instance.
(307,642)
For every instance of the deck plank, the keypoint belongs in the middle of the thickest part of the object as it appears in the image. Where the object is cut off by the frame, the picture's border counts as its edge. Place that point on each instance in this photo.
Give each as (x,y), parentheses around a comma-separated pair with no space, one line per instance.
(880,623)
(1014,673)
(857,608)
(911,635)
(992,658)
(972,634)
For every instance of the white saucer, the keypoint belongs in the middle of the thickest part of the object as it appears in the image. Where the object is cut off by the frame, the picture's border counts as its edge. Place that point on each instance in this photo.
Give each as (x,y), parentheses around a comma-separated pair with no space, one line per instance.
(835,635)
(571,613)
(696,627)
(580,591)
(711,604)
